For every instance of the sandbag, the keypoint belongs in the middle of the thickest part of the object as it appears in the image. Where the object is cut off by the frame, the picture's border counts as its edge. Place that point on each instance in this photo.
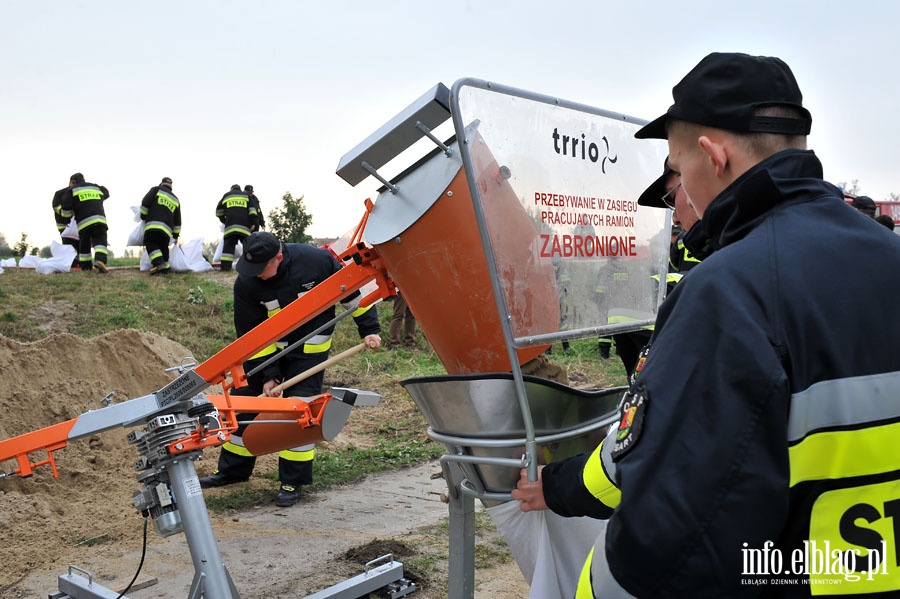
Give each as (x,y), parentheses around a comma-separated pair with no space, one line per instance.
(549,549)
(238,251)
(29,261)
(137,235)
(71,230)
(189,257)
(61,259)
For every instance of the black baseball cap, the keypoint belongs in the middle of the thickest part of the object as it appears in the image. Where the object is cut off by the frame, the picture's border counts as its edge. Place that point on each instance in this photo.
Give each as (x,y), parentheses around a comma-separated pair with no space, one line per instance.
(725,89)
(863,203)
(166,180)
(259,248)
(653,195)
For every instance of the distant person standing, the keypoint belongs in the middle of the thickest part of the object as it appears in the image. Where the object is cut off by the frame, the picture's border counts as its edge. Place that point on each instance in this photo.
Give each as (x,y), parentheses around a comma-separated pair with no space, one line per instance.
(254,202)
(403,324)
(161,213)
(62,223)
(240,219)
(84,201)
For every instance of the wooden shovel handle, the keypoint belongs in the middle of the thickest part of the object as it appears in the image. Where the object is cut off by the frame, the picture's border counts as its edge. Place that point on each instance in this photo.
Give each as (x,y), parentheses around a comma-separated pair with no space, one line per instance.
(318,368)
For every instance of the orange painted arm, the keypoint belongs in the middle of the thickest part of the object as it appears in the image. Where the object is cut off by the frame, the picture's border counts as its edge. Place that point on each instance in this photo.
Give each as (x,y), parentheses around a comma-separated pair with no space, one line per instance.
(50,438)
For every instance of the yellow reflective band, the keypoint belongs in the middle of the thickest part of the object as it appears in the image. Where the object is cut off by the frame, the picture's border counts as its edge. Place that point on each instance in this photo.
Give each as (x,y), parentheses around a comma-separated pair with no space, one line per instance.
(597,482)
(266,351)
(866,515)
(316,348)
(842,454)
(297,456)
(236,449)
(92,220)
(273,312)
(360,311)
(584,590)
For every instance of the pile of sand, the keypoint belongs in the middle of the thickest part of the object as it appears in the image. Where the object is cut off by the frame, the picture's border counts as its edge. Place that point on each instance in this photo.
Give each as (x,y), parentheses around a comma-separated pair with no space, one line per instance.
(43,519)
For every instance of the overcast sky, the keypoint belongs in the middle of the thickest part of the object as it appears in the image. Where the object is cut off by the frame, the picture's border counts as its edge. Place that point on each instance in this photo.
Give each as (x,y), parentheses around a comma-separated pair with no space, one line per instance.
(273,93)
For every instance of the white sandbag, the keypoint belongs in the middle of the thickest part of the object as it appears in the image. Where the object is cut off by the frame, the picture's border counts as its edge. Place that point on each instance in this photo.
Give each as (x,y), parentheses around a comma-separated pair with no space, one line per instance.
(549,549)
(145,261)
(189,256)
(137,235)
(238,251)
(60,261)
(8,263)
(29,261)
(71,230)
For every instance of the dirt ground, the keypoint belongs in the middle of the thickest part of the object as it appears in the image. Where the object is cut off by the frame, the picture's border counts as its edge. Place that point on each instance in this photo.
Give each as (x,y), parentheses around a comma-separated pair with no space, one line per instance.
(86,518)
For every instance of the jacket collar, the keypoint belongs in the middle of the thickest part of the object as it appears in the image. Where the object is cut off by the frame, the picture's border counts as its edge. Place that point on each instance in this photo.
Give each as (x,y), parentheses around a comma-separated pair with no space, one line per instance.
(780,178)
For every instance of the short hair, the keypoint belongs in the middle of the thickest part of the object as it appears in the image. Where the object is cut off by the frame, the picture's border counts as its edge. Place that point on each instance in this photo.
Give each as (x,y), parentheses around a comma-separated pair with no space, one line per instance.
(759,145)
(77,178)
(763,145)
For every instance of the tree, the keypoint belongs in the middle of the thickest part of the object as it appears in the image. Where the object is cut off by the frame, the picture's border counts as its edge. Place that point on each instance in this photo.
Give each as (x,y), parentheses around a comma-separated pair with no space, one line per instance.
(5,250)
(851,188)
(21,247)
(290,222)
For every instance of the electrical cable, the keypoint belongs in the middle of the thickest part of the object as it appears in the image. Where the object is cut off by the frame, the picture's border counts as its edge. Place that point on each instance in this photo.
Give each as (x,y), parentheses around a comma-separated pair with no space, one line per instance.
(141,564)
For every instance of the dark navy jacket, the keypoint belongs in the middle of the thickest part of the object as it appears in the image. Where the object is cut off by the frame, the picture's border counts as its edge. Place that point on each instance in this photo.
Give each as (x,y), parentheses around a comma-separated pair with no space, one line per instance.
(303,267)
(771,398)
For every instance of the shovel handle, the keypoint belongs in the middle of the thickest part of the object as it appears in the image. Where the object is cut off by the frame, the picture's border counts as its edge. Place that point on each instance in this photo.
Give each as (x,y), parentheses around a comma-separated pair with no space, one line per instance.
(318,368)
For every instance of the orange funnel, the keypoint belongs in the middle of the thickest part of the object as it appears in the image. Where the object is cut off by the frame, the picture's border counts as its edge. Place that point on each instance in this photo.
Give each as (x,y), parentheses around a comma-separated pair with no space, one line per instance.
(427,235)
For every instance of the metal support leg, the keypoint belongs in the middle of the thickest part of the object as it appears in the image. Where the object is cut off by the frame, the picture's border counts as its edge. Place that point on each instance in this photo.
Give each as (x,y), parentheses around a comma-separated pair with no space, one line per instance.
(211,579)
(461,584)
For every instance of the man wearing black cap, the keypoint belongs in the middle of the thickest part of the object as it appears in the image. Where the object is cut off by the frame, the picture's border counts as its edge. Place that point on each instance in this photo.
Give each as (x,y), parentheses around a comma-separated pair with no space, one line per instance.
(764,421)
(864,204)
(240,218)
(84,201)
(254,204)
(687,249)
(270,276)
(161,213)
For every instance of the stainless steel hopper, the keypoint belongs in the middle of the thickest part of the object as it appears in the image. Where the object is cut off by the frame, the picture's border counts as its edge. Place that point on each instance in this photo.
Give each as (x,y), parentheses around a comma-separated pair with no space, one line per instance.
(479,419)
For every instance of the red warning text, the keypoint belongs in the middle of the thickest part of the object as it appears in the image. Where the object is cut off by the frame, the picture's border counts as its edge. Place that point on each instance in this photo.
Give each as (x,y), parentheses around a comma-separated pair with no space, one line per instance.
(586,246)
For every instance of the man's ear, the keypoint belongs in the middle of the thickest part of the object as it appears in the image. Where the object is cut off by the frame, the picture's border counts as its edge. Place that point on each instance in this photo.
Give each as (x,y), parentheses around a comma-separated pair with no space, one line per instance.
(716,153)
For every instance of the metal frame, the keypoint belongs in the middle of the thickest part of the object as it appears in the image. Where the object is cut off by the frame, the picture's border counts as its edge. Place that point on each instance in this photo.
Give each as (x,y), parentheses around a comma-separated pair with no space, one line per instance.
(512,342)
(409,126)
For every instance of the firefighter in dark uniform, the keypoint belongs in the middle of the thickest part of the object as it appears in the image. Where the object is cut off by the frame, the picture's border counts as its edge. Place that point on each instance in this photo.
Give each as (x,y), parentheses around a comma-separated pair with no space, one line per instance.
(254,203)
(161,213)
(62,223)
(270,276)
(763,419)
(84,201)
(240,218)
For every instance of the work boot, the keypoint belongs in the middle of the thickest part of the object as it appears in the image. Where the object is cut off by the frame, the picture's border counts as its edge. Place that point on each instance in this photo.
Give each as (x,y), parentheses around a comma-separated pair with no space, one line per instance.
(219,479)
(604,350)
(288,495)
(101,267)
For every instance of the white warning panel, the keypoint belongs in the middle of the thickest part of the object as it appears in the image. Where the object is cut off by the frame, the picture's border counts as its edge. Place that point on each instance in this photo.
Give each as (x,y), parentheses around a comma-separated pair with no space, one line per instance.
(564,179)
